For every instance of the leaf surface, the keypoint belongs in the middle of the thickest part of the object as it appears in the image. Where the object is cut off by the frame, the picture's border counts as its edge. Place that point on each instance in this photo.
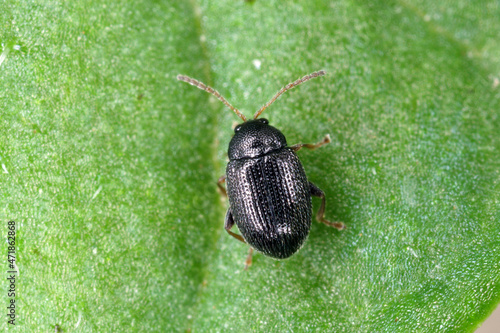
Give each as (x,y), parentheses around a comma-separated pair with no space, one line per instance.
(109,164)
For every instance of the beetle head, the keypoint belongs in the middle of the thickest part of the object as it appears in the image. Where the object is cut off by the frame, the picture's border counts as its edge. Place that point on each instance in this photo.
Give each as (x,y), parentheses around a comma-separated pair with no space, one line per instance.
(255,138)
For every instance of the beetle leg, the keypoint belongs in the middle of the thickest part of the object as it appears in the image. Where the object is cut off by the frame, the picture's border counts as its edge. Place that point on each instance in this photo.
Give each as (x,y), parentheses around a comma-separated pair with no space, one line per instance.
(248,262)
(222,179)
(299,146)
(228,224)
(316,191)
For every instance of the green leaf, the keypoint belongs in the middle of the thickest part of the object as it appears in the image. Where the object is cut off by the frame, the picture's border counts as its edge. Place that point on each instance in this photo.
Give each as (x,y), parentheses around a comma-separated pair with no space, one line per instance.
(109,164)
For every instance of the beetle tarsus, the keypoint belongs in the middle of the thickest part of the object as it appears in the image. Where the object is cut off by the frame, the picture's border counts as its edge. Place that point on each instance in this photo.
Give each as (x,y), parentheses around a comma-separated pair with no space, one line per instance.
(336,225)
(248,261)
(312,146)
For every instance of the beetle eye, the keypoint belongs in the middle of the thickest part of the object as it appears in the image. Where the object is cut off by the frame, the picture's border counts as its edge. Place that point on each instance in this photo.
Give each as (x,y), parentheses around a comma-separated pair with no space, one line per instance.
(264,121)
(237,128)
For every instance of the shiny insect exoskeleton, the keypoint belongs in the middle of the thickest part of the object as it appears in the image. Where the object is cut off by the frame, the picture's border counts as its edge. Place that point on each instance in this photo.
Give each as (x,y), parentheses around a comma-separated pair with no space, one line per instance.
(269,194)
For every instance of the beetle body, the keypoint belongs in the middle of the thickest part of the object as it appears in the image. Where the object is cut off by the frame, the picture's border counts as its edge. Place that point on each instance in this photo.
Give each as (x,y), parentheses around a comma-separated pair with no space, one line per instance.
(269,194)
(268,191)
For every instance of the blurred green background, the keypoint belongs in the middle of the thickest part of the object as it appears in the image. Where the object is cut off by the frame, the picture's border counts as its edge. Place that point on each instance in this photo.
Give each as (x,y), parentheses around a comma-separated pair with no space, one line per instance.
(109,164)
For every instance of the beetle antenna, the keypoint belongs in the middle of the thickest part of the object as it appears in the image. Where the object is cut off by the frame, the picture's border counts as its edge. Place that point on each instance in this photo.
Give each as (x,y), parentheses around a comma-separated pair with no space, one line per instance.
(288,87)
(211,90)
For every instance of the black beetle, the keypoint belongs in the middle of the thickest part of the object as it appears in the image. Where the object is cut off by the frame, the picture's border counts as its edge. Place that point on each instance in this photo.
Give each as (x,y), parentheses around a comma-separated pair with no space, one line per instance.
(269,194)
